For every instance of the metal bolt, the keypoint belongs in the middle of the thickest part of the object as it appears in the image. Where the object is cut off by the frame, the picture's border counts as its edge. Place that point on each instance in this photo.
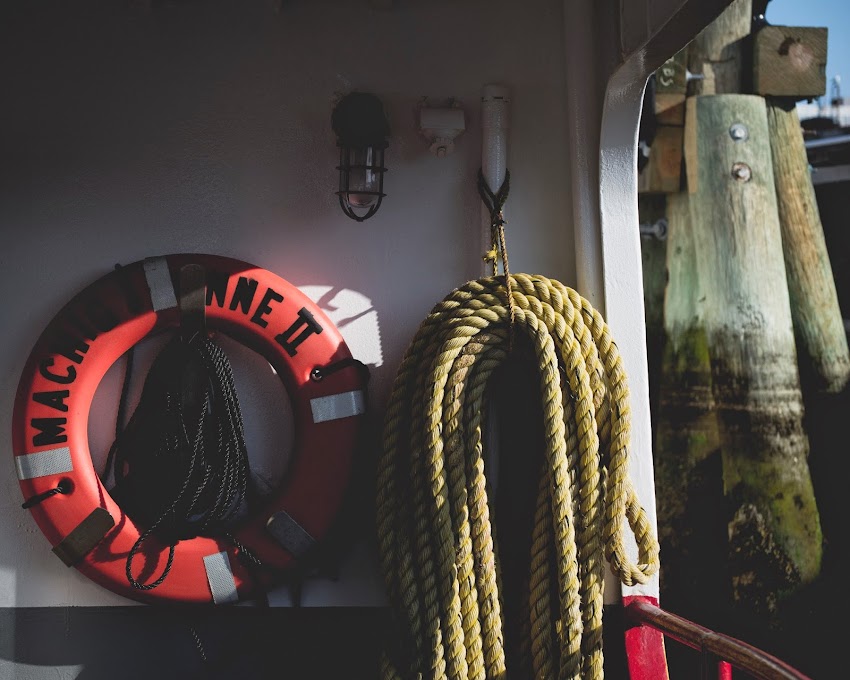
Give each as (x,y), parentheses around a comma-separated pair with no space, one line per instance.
(657,229)
(739,132)
(742,172)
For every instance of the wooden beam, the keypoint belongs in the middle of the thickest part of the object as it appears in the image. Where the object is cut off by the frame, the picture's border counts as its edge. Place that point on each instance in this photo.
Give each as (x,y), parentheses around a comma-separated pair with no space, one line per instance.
(716,53)
(790,61)
(663,173)
(671,86)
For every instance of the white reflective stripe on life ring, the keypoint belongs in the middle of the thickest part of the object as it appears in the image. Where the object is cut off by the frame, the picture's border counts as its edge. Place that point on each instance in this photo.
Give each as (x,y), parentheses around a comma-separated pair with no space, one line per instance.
(336,406)
(220,578)
(159,283)
(44,463)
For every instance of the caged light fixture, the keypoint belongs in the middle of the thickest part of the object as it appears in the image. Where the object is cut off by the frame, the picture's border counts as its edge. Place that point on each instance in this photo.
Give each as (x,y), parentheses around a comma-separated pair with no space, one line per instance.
(361,128)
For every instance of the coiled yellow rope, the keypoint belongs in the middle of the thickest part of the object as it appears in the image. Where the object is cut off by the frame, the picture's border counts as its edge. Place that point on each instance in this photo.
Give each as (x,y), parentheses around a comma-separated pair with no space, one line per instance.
(435,536)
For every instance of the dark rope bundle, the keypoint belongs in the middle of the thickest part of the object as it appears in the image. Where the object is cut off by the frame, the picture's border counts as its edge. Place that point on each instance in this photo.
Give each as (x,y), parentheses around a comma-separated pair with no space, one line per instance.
(181,465)
(495,202)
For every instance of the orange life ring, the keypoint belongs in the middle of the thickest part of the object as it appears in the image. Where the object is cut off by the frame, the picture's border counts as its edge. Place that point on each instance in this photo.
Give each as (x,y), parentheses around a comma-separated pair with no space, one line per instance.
(50,425)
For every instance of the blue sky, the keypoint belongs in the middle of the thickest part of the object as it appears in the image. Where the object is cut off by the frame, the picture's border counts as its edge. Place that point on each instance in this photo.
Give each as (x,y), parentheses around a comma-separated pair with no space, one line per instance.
(834,15)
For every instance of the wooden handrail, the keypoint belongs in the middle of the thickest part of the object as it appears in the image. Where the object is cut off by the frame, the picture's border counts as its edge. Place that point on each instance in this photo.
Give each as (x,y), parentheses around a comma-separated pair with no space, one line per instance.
(740,655)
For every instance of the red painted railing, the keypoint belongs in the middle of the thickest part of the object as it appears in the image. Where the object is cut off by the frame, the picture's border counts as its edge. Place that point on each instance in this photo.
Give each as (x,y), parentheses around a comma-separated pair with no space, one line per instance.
(726,651)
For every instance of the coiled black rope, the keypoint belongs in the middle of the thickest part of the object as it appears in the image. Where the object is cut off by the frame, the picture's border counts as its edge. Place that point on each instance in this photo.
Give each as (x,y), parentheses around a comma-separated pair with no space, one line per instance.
(181,465)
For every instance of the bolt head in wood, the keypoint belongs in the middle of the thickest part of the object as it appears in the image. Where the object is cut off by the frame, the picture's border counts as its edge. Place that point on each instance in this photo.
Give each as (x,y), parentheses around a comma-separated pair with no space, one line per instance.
(739,132)
(742,172)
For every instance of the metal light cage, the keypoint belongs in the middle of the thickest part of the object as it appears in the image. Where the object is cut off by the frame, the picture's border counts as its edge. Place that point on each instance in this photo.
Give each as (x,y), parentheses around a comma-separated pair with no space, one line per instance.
(361,128)
(345,168)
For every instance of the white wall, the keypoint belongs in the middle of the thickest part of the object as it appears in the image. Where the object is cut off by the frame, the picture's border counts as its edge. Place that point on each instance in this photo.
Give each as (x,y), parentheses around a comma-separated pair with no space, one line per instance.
(205,127)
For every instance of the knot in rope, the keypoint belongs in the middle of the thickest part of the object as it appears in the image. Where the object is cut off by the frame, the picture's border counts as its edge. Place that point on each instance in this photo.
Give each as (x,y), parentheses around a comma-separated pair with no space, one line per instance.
(433,508)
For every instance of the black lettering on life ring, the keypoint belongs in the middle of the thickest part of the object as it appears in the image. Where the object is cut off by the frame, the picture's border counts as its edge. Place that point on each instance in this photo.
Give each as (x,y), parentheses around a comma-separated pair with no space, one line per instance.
(50,431)
(55,399)
(243,296)
(69,377)
(305,319)
(265,307)
(72,348)
(216,288)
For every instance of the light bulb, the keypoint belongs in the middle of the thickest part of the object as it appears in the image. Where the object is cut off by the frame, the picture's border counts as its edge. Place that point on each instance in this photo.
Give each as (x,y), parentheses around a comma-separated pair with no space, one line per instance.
(363,184)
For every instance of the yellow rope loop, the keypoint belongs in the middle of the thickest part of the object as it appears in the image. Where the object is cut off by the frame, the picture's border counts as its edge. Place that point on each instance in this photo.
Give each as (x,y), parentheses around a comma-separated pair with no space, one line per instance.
(466,382)
(433,516)
(486,576)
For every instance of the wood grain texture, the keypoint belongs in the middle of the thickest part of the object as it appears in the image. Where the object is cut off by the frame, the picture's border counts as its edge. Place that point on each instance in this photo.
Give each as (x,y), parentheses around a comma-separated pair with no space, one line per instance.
(681,308)
(774,527)
(671,87)
(663,173)
(716,53)
(790,61)
(691,521)
(651,209)
(818,323)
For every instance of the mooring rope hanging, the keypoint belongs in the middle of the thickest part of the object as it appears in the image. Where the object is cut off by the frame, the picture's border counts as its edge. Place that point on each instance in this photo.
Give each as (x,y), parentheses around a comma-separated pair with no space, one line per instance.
(435,536)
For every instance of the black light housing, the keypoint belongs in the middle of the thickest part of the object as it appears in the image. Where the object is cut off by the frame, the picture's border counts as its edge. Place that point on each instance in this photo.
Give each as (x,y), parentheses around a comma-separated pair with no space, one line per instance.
(361,128)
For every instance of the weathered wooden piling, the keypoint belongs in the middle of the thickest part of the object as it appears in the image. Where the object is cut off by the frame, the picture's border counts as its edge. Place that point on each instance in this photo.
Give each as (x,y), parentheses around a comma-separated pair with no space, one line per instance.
(818,324)
(691,523)
(774,527)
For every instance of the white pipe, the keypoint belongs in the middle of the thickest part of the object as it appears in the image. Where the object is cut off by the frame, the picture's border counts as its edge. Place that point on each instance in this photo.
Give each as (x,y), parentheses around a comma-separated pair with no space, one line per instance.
(495,122)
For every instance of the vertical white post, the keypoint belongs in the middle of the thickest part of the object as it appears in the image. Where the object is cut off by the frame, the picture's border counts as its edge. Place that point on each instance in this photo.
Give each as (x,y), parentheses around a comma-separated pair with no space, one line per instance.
(622,276)
(494,164)
(494,151)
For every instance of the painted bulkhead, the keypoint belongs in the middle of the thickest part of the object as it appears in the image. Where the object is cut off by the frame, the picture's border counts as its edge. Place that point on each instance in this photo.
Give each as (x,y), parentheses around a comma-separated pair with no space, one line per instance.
(135,129)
